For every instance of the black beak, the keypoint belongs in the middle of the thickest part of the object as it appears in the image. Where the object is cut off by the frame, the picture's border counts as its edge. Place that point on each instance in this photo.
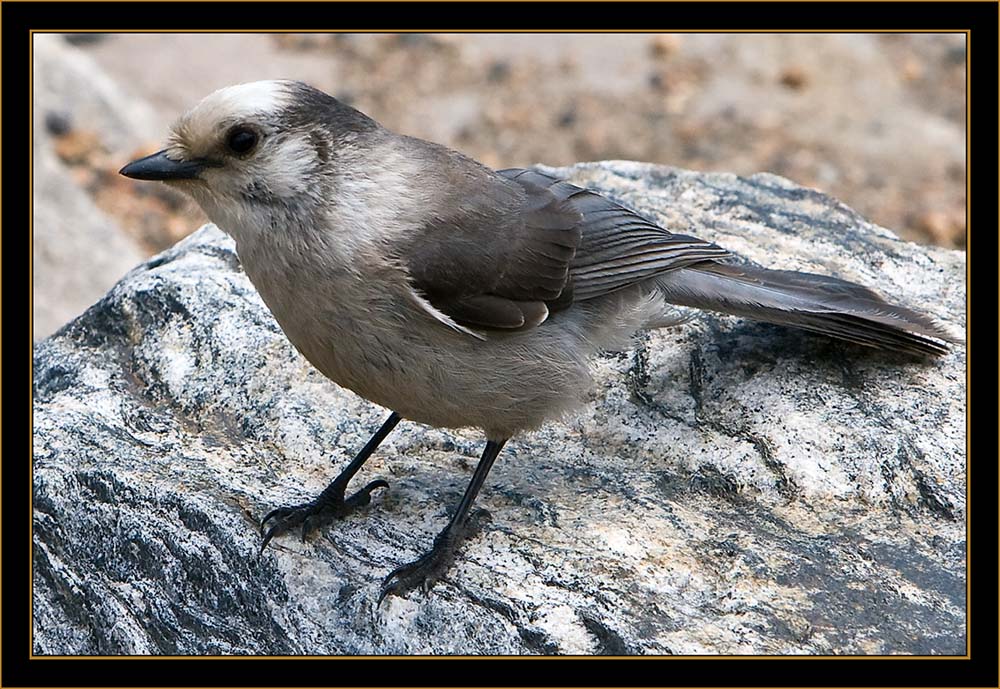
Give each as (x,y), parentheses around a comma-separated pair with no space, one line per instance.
(159,167)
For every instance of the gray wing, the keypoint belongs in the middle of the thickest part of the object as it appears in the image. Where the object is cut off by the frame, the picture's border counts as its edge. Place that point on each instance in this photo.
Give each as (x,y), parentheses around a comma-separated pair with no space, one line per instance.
(499,254)
(618,247)
(526,243)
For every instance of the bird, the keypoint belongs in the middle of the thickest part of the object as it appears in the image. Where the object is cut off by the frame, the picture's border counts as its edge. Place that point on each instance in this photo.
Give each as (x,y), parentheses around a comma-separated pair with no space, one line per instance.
(455,295)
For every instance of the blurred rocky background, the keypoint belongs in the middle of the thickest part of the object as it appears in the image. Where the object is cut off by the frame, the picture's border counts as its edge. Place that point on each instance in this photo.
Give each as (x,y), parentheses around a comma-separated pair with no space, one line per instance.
(877,120)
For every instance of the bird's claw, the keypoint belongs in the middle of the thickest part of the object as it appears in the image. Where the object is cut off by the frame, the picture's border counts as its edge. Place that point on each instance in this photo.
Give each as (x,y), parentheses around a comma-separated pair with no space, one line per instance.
(422,573)
(425,571)
(330,503)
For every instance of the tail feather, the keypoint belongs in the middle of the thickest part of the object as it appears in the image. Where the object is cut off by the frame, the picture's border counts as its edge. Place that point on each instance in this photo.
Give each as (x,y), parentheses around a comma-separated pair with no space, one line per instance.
(818,303)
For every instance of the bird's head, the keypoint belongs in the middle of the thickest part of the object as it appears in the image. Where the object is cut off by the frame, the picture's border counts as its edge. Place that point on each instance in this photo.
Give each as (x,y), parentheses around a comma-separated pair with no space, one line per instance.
(256,153)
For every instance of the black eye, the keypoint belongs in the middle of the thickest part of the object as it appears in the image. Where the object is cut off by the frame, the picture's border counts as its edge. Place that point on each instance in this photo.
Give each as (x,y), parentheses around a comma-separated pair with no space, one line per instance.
(241,140)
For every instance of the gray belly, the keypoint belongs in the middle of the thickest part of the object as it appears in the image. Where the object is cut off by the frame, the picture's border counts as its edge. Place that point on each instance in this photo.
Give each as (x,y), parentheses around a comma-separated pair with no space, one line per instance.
(433,375)
(382,347)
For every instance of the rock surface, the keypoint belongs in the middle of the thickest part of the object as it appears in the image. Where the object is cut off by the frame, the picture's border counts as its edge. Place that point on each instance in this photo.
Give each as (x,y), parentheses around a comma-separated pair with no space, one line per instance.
(733,487)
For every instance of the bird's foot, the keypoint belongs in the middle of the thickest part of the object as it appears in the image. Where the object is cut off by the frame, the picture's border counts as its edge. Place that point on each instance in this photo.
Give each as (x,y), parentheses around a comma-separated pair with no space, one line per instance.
(426,570)
(422,573)
(328,504)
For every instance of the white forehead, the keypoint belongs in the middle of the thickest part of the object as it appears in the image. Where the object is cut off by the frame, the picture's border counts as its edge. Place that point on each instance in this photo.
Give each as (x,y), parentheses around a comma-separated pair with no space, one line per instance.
(245,99)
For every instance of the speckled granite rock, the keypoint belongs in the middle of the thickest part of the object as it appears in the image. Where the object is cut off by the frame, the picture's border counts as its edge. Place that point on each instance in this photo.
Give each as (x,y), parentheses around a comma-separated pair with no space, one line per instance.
(732,488)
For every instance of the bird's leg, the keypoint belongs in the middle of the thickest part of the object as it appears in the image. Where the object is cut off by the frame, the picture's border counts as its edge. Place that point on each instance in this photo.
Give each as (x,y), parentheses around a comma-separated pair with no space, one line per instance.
(331,501)
(426,570)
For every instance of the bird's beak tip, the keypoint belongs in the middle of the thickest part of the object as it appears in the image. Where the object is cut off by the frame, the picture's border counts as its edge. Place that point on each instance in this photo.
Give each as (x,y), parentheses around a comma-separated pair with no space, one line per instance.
(158,167)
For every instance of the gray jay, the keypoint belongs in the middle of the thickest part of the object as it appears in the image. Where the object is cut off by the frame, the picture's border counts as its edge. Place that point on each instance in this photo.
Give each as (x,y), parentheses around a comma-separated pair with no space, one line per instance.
(456,295)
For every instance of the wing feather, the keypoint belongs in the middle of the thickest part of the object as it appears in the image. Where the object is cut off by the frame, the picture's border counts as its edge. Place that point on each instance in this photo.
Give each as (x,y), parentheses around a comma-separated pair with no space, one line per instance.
(618,247)
(527,244)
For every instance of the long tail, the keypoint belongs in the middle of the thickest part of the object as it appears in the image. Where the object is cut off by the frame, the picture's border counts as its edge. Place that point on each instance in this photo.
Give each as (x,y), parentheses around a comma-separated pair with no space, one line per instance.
(819,303)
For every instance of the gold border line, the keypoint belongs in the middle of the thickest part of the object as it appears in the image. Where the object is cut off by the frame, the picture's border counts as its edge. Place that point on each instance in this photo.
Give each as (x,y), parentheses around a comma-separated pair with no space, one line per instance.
(968,608)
